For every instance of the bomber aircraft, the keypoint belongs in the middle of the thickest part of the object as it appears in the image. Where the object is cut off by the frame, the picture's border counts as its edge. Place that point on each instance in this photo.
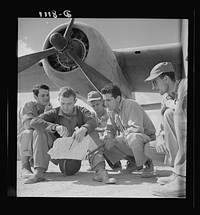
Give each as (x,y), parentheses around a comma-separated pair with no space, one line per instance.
(76,55)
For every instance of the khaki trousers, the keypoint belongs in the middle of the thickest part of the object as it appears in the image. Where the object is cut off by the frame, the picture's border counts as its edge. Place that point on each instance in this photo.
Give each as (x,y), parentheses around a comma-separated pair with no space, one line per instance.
(180,122)
(170,137)
(25,140)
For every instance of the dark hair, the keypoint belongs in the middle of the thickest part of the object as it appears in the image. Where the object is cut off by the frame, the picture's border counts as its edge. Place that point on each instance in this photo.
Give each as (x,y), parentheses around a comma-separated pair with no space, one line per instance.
(113,89)
(38,87)
(171,75)
(67,92)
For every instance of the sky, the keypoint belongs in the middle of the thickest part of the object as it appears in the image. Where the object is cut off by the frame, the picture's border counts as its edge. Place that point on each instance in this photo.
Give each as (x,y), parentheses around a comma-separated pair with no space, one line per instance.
(119,33)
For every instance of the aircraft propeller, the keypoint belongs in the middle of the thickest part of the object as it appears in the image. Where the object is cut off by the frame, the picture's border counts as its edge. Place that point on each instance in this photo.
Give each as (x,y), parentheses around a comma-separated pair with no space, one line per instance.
(62,44)
(59,41)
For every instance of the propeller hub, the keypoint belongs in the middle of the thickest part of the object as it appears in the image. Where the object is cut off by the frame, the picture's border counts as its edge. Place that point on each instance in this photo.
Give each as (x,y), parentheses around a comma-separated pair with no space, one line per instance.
(58,41)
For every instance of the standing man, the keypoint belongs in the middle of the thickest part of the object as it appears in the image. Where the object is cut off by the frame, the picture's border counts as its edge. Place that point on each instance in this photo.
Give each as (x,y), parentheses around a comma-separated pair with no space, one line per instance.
(175,184)
(61,122)
(25,131)
(163,80)
(128,126)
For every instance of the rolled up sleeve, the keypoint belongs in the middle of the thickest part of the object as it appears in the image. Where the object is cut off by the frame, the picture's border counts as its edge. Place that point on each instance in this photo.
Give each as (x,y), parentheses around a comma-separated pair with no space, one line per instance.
(89,122)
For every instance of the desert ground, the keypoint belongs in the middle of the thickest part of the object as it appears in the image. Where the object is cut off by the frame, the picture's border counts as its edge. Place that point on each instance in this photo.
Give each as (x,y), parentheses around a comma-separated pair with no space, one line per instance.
(82,185)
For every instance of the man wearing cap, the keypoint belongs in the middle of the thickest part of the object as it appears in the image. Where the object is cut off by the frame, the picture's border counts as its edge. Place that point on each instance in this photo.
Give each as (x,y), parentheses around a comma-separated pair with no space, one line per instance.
(175,184)
(101,115)
(163,80)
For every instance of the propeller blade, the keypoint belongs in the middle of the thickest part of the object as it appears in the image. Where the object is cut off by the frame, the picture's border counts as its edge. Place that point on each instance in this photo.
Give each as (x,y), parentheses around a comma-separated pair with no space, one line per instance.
(27,61)
(97,80)
(68,30)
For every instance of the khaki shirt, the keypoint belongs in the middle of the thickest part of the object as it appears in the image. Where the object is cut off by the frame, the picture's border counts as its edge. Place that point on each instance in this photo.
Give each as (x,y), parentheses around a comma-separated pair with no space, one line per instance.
(27,112)
(132,117)
(102,121)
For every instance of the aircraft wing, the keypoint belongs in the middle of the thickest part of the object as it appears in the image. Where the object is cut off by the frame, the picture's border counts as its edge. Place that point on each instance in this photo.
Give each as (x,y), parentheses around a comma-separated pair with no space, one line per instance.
(136,63)
(32,76)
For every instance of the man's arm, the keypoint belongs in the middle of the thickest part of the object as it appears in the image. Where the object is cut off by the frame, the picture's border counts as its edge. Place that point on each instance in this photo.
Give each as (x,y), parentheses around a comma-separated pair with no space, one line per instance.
(111,128)
(135,118)
(27,113)
(45,121)
(89,122)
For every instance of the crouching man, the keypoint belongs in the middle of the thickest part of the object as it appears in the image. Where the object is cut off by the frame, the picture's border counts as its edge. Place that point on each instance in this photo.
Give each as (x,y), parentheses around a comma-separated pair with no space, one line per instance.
(25,131)
(61,122)
(128,127)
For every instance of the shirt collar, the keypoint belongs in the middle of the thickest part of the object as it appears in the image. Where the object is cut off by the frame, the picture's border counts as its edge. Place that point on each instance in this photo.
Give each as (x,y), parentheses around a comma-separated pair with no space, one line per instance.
(74,112)
(39,108)
(120,105)
(175,91)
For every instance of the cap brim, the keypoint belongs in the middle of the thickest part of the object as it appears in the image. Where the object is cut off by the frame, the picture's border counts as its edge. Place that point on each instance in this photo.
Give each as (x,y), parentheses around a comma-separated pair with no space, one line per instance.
(151,77)
(94,99)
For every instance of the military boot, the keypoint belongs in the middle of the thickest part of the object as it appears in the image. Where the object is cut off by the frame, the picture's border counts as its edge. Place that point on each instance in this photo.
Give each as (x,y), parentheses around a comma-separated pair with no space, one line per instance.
(38,176)
(26,167)
(102,175)
(131,165)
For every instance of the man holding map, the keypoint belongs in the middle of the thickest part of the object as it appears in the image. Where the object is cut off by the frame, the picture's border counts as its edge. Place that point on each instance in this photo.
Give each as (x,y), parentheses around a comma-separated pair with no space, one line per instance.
(61,122)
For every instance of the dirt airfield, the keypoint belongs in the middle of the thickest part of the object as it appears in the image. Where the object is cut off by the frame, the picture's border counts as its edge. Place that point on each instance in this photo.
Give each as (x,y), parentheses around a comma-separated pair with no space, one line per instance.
(82,185)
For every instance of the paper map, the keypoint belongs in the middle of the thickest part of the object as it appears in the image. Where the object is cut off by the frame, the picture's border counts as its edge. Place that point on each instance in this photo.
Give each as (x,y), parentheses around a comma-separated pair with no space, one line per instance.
(61,148)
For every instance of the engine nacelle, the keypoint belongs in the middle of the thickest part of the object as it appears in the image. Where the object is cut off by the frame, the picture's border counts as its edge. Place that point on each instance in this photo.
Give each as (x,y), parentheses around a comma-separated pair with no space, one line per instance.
(90,47)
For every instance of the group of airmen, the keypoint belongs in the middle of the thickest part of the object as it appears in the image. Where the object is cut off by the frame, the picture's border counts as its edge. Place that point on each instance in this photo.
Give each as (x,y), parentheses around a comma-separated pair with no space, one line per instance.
(119,125)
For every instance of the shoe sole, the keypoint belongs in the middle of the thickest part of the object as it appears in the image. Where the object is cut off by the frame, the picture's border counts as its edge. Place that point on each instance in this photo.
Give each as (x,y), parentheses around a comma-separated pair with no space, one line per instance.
(175,194)
(33,181)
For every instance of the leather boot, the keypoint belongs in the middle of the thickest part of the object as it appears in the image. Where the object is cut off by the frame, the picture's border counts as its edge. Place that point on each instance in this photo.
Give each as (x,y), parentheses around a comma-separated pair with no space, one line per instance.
(26,167)
(102,175)
(131,165)
(38,176)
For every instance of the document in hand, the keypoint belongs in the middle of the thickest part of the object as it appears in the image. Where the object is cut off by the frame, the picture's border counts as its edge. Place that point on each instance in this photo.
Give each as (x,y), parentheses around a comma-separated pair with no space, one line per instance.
(68,148)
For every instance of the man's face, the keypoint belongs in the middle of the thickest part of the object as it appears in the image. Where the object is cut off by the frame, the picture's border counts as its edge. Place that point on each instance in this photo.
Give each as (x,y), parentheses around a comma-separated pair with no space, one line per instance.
(97,105)
(160,84)
(67,104)
(43,97)
(111,102)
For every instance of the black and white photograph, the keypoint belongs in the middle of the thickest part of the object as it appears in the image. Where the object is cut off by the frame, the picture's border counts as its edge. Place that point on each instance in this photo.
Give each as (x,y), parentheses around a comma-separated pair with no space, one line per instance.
(101,107)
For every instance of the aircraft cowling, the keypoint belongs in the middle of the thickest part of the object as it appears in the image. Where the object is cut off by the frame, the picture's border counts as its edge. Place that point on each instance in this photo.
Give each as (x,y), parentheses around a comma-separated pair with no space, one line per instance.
(91,48)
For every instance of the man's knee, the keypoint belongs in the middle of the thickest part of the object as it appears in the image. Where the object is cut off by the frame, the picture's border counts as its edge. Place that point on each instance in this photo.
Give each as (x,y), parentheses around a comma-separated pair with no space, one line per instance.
(95,137)
(137,140)
(25,137)
(42,137)
(134,138)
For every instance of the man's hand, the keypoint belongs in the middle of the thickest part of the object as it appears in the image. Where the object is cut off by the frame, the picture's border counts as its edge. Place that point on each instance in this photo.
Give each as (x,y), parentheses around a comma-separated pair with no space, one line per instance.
(48,107)
(79,134)
(62,131)
(160,145)
(109,141)
(120,138)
